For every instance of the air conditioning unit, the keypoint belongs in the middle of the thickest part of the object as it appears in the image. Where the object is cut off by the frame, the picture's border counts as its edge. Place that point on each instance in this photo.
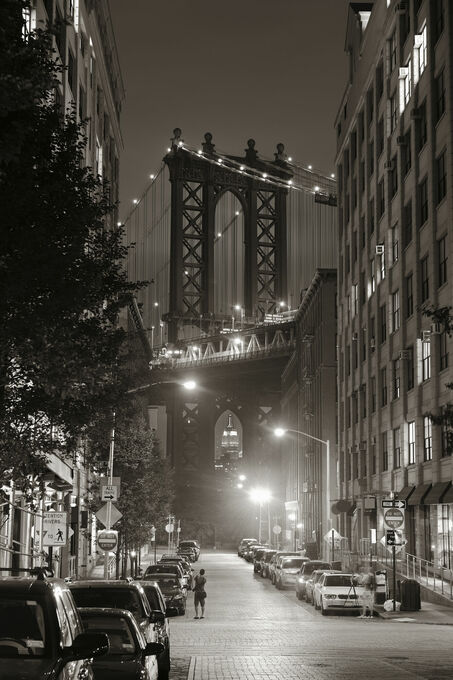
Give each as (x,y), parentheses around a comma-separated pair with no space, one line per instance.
(380,249)
(355,336)
(401,140)
(372,343)
(401,8)
(436,328)
(426,336)
(388,165)
(404,355)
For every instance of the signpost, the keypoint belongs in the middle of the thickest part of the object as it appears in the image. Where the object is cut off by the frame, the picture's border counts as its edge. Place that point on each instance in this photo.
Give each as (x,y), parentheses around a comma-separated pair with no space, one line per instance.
(55,529)
(393,511)
(393,503)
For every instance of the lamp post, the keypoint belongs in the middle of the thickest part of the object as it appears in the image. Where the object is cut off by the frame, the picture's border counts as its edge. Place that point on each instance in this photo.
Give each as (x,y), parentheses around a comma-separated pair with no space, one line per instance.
(280,432)
(261,496)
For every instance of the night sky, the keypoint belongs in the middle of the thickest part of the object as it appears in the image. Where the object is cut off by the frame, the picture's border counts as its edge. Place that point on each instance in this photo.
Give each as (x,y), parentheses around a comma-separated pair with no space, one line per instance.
(274,70)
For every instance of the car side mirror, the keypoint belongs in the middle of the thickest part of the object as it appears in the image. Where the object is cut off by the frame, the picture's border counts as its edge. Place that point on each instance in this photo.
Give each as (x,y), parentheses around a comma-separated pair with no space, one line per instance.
(157,616)
(86,646)
(171,611)
(154,649)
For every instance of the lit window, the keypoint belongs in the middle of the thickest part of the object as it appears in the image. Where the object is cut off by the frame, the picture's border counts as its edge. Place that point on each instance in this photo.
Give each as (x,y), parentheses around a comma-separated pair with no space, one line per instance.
(405,84)
(426,360)
(411,440)
(420,53)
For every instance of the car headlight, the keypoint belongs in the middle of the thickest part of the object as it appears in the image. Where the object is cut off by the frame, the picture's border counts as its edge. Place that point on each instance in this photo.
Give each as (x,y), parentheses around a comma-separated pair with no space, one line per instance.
(301,580)
(330,597)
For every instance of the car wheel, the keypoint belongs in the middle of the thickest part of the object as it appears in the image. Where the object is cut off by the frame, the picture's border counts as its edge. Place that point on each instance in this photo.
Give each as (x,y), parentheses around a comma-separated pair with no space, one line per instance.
(298,595)
(324,612)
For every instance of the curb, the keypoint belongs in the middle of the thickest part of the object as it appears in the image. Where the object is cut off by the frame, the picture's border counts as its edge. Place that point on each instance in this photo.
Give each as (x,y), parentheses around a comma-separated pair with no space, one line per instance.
(417,621)
(191,672)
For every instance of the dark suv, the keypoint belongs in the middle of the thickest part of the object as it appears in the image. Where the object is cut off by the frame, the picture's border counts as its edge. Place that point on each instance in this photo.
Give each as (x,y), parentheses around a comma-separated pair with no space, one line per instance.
(41,634)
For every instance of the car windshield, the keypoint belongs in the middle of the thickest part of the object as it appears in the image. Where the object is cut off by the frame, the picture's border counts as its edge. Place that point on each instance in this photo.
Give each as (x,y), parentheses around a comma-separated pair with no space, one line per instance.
(121,637)
(114,597)
(165,568)
(292,563)
(22,629)
(337,580)
(167,581)
(152,597)
(187,544)
(309,567)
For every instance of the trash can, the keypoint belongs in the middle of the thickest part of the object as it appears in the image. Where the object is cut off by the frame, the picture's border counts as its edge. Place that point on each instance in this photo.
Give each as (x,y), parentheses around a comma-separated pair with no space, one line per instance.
(410,595)
(381,586)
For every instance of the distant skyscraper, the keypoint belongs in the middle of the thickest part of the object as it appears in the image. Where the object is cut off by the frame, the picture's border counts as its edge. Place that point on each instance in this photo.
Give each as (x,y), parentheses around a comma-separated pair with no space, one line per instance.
(230,448)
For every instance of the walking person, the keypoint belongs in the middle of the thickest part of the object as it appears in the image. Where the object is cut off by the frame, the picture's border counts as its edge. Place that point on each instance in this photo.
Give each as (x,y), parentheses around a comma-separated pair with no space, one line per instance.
(368,582)
(200,593)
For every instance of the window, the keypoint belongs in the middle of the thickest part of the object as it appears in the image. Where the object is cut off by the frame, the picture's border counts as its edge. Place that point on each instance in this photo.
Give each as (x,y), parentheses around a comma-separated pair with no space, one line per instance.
(346,163)
(355,354)
(441,178)
(439,96)
(373,275)
(348,359)
(363,338)
(396,382)
(372,333)
(72,73)
(405,26)
(379,81)
(354,192)
(442,259)
(363,399)
(354,247)
(393,177)
(383,387)
(426,360)
(427,438)
(392,51)
(373,456)
(407,224)
(393,106)
(406,155)
(362,176)
(355,407)
(355,299)
(361,125)
(438,20)
(362,232)
(424,277)
(347,259)
(409,289)
(371,215)
(382,266)
(370,158)
(395,244)
(397,447)
(405,85)
(353,146)
(362,291)
(422,202)
(373,393)
(421,130)
(348,412)
(411,440)
(420,53)
(410,373)
(384,451)
(347,208)
(395,311)
(380,199)
(370,105)
(380,137)
(443,351)
(383,323)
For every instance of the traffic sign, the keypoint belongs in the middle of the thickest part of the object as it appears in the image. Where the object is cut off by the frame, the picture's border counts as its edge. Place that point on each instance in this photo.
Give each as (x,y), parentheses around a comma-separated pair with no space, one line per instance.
(333,534)
(277,529)
(55,529)
(169,528)
(393,537)
(393,503)
(115,515)
(109,493)
(107,540)
(391,548)
(393,518)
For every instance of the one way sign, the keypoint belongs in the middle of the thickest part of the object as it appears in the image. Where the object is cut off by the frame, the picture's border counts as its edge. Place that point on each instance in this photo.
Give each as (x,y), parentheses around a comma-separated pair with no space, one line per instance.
(109,493)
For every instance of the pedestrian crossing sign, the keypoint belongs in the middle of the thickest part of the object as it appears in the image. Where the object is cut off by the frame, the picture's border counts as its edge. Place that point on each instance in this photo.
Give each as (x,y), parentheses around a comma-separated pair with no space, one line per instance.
(55,529)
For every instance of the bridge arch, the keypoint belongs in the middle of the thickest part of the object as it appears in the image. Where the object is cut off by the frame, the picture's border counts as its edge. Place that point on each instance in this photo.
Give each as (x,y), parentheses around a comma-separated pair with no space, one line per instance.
(229,256)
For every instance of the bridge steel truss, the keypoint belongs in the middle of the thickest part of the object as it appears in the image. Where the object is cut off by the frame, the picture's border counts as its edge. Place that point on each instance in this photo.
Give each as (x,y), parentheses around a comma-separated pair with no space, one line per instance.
(196,187)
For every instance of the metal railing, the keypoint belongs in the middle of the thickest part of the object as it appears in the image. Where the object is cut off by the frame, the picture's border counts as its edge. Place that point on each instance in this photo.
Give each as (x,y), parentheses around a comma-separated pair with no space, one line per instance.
(437,578)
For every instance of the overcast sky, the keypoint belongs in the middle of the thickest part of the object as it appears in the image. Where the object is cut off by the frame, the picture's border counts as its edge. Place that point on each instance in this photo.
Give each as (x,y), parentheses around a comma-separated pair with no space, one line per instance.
(274,70)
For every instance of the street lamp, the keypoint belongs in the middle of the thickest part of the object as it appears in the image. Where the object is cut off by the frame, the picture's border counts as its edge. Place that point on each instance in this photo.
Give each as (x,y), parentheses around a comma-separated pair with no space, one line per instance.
(188,385)
(280,432)
(260,496)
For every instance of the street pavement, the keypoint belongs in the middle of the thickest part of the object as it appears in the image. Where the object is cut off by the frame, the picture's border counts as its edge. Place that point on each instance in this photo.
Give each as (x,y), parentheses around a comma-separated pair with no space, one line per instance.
(254,632)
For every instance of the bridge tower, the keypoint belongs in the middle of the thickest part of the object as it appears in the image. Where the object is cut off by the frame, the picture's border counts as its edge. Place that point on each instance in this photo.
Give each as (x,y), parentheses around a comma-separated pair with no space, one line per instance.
(198,181)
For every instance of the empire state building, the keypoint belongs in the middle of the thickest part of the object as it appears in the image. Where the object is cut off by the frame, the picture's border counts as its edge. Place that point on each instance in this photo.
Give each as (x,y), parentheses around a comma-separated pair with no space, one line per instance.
(228,460)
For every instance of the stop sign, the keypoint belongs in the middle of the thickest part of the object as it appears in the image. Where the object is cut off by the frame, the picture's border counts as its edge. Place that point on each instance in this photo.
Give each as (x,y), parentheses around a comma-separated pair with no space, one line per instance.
(107,540)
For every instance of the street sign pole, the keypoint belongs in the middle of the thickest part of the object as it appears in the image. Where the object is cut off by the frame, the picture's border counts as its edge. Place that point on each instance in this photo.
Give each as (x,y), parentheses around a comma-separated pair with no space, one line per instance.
(394,576)
(333,545)
(109,502)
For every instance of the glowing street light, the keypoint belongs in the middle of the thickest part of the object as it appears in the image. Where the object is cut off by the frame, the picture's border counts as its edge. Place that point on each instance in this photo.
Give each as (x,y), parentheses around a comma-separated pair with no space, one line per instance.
(260,496)
(242,478)
(189,385)
(279,432)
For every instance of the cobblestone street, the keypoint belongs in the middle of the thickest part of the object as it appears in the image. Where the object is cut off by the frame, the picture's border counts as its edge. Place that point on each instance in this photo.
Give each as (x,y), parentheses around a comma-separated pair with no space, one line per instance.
(252,632)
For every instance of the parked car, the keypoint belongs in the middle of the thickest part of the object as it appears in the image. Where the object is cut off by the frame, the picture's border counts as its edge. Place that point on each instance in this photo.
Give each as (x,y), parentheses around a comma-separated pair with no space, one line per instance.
(287,570)
(167,568)
(186,568)
(304,574)
(129,656)
(335,592)
(117,595)
(250,554)
(274,564)
(313,579)
(34,644)
(174,594)
(242,545)
(157,603)
(258,554)
(193,545)
(266,558)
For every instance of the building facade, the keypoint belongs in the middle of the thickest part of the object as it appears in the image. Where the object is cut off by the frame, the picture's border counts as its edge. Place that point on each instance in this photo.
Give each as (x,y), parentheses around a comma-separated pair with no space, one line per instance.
(92,83)
(394,165)
(309,406)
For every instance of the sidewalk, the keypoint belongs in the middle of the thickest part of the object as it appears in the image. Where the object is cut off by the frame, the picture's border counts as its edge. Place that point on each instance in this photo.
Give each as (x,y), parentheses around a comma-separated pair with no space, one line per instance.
(431,614)
(97,572)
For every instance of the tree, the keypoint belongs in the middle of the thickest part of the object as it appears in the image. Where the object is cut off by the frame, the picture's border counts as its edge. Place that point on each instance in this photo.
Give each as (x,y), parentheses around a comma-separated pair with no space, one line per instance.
(62,275)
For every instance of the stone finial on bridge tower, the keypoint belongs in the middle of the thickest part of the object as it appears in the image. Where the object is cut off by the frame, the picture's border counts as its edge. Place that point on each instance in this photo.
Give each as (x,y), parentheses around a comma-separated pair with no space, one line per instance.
(250,152)
(208,146)
(280,157)
(176,139)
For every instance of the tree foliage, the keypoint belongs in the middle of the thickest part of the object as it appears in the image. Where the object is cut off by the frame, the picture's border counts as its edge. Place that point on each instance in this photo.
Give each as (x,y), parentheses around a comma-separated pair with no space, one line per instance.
(62,277)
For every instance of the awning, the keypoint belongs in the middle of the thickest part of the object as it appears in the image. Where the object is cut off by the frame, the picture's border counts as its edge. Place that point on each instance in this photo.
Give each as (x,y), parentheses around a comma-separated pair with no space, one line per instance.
(405,492)
(416,498)
(334,509)
(434,496)
(448,497)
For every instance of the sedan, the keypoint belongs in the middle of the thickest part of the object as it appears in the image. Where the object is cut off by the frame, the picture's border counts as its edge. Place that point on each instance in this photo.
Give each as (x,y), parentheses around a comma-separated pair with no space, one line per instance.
(305,573)
(130,657)
(275,564)
(313,580)
(174,594)
(265,559)
(167,568)
(287,573)
(336,592)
